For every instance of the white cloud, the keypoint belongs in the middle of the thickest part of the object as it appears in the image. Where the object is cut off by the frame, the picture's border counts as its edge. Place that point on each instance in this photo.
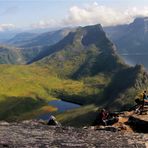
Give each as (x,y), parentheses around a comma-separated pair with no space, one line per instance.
(104,15)
(47,24)
(4,27)
(93,14)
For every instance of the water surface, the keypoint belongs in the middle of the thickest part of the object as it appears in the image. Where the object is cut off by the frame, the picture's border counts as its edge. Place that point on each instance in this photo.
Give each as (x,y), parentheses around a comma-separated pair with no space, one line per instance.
(134,59)
(61,106)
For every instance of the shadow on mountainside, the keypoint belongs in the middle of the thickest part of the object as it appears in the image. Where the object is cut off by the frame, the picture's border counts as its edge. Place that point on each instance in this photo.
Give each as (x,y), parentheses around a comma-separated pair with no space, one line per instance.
(13,107)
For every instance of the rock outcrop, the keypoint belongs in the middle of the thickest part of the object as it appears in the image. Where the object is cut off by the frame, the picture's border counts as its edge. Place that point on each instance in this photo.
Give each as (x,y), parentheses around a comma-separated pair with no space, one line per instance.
(139,123)
(35,134)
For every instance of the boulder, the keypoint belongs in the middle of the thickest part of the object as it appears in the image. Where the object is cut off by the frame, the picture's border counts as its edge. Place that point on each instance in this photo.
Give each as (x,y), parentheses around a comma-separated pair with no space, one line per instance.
(139,123)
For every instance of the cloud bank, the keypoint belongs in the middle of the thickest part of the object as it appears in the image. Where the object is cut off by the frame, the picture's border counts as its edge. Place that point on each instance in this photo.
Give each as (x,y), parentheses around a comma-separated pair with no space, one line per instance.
(46,24)
(4,27)
(95,13)
(104,15)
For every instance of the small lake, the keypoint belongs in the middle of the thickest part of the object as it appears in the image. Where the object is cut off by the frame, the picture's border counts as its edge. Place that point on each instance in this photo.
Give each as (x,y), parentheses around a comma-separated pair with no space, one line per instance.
(61,106)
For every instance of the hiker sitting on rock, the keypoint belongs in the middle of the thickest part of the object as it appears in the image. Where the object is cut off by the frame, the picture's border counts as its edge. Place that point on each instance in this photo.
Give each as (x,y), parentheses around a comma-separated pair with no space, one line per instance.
(145,98)
(139,107)
(107,118)
(52,121)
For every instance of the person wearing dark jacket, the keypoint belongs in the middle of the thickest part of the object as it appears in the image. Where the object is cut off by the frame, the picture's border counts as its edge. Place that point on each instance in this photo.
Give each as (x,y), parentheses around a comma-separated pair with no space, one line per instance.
(106,118)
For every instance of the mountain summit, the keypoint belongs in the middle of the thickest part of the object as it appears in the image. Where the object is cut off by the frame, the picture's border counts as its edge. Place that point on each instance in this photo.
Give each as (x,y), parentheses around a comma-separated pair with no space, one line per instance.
(132,38)
(140,23)
(87,51)
(88,55)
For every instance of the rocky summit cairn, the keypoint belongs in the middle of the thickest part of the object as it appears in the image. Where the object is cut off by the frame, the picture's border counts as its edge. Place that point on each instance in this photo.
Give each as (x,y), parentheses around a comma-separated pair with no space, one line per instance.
(35,134)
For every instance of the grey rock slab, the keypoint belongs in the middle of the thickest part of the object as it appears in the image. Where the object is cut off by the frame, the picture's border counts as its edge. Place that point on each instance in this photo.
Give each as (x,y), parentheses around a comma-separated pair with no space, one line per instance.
(33,134)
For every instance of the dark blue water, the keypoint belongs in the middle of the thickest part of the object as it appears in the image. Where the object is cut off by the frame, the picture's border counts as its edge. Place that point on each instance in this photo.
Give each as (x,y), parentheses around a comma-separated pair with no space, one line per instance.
(134,59)
(61,106)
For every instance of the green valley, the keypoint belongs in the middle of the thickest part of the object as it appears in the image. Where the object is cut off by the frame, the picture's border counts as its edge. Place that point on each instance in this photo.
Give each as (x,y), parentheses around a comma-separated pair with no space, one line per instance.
(34,86)
(82,68)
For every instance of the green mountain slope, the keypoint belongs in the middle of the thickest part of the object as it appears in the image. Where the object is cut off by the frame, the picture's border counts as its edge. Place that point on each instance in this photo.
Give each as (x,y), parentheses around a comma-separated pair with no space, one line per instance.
(10,55)
(47,38)
(86,55)
(28,45)
(31,87)
(29,39)
(119,95)
(16,55)
(125,87)
(85,52)
(83,68)
(21,38)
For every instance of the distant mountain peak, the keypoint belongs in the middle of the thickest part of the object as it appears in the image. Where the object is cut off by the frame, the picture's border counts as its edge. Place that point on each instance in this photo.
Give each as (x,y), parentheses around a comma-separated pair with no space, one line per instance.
(92,34)
(132,40)
(140,23)
(80,39)
(92,27)
(141,19)
(88,35)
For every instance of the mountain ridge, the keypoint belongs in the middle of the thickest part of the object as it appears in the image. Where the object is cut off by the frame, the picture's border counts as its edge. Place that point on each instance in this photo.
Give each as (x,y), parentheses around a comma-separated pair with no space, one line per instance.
(131,37)
(83,68)
(10,55)
(131,41)
(76,45)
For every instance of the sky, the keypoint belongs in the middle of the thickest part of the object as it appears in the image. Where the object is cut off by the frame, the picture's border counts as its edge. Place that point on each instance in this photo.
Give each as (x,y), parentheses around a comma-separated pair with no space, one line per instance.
(62,13)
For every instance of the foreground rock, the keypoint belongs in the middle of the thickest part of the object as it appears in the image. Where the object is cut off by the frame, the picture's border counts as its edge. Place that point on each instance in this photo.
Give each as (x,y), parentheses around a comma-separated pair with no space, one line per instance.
(139,123)
(34,134)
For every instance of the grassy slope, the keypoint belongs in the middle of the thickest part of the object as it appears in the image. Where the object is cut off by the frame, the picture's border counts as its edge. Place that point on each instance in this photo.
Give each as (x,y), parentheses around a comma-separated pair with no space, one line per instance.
(25,89)
(93,61)
(80,117)
(119,94)
(99,76)
(125,87)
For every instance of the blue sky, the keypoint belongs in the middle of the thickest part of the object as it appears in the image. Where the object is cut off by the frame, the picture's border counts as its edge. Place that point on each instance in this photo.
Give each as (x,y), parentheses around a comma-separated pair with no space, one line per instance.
(55,13)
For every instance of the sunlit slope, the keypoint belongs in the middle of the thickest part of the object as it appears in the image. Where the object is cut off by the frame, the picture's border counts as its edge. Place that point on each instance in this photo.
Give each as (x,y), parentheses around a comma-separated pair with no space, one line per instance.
(25,90)
(21,80)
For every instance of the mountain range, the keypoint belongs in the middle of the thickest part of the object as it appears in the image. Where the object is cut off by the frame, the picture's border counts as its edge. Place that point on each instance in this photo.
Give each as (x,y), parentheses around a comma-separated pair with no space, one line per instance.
(81,66)
(10,55)
(131,40)
(84,52)
(27,45)
(88,53)
(29,39)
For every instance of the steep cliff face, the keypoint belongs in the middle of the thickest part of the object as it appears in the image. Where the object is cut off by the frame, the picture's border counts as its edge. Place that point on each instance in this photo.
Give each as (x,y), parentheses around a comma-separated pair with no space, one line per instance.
(34,134)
